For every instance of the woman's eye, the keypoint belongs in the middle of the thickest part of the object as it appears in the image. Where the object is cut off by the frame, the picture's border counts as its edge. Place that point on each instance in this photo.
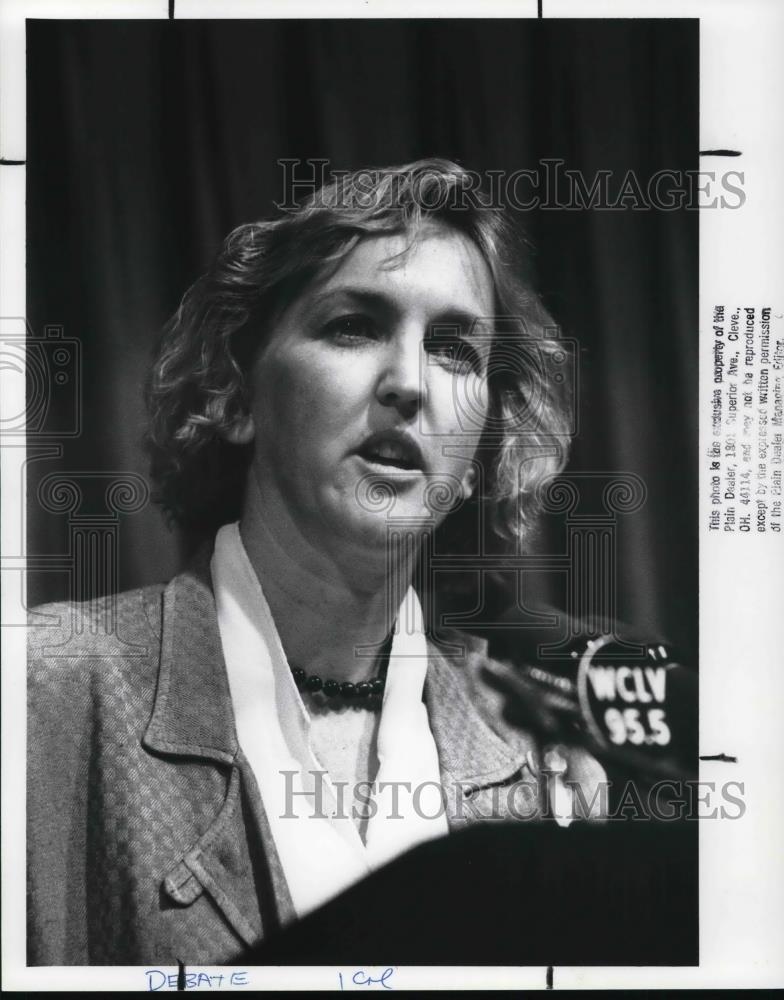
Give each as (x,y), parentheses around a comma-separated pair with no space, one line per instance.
(350,328)
(456,354)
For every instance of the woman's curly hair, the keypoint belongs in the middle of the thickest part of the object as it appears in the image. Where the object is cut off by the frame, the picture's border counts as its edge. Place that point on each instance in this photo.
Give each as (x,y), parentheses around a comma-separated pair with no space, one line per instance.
(198,388)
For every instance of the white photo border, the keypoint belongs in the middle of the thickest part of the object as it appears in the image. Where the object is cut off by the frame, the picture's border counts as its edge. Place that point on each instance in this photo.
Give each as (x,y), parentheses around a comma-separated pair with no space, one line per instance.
(741,576)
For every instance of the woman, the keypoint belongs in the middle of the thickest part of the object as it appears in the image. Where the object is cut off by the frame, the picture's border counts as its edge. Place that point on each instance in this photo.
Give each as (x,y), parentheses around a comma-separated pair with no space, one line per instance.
(347,386)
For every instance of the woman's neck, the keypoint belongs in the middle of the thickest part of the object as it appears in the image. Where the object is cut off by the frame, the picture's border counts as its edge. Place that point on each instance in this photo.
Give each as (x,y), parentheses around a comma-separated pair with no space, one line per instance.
(332,615)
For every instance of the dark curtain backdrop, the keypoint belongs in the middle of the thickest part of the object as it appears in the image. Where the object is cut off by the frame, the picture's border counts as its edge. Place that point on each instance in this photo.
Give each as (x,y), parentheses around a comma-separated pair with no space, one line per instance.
(148,141)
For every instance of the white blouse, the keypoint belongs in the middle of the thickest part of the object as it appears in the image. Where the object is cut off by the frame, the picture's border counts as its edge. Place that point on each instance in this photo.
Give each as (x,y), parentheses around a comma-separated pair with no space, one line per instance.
(320,849)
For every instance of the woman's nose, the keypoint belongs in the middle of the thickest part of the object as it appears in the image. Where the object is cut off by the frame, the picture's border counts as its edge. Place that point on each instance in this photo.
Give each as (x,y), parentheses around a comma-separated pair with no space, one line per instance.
(401,381)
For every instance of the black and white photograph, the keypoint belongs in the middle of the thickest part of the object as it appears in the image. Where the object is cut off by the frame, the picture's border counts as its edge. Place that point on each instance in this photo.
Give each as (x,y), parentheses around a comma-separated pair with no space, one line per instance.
(369,460)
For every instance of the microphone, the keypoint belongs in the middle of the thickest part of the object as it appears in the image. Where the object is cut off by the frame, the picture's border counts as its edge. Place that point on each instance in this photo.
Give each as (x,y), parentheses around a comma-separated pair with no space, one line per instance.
(631,704)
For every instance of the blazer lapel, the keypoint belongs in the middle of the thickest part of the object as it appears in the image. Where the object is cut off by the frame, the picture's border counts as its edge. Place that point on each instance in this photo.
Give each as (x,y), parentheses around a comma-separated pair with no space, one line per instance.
(193,718)
(192,715)
(483,775)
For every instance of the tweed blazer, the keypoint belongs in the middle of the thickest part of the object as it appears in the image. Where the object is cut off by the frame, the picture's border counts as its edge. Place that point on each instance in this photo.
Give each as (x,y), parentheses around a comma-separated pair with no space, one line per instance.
(147,839)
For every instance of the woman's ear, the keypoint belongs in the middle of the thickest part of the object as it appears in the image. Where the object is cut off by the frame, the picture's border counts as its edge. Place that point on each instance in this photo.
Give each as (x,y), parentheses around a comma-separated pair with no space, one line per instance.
(242,431)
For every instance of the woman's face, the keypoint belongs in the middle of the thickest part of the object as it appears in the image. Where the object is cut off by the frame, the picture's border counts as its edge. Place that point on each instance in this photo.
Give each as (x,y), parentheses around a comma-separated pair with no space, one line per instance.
(370,393)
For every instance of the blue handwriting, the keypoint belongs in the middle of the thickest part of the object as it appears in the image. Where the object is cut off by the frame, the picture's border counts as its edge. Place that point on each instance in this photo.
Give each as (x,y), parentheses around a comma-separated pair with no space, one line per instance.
(362,978)
(157,979)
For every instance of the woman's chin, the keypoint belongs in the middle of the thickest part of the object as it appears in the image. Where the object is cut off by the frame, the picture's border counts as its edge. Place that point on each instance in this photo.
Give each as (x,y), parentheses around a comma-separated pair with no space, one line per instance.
(377,534)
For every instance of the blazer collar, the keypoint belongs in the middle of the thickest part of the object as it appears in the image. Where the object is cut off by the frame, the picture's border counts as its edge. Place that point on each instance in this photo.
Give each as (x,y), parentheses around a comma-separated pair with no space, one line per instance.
(469,750)
(193,714)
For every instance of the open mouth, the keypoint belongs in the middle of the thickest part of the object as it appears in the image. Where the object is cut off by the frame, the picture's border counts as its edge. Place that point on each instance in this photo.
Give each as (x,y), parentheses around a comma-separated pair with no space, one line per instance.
(393,450)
